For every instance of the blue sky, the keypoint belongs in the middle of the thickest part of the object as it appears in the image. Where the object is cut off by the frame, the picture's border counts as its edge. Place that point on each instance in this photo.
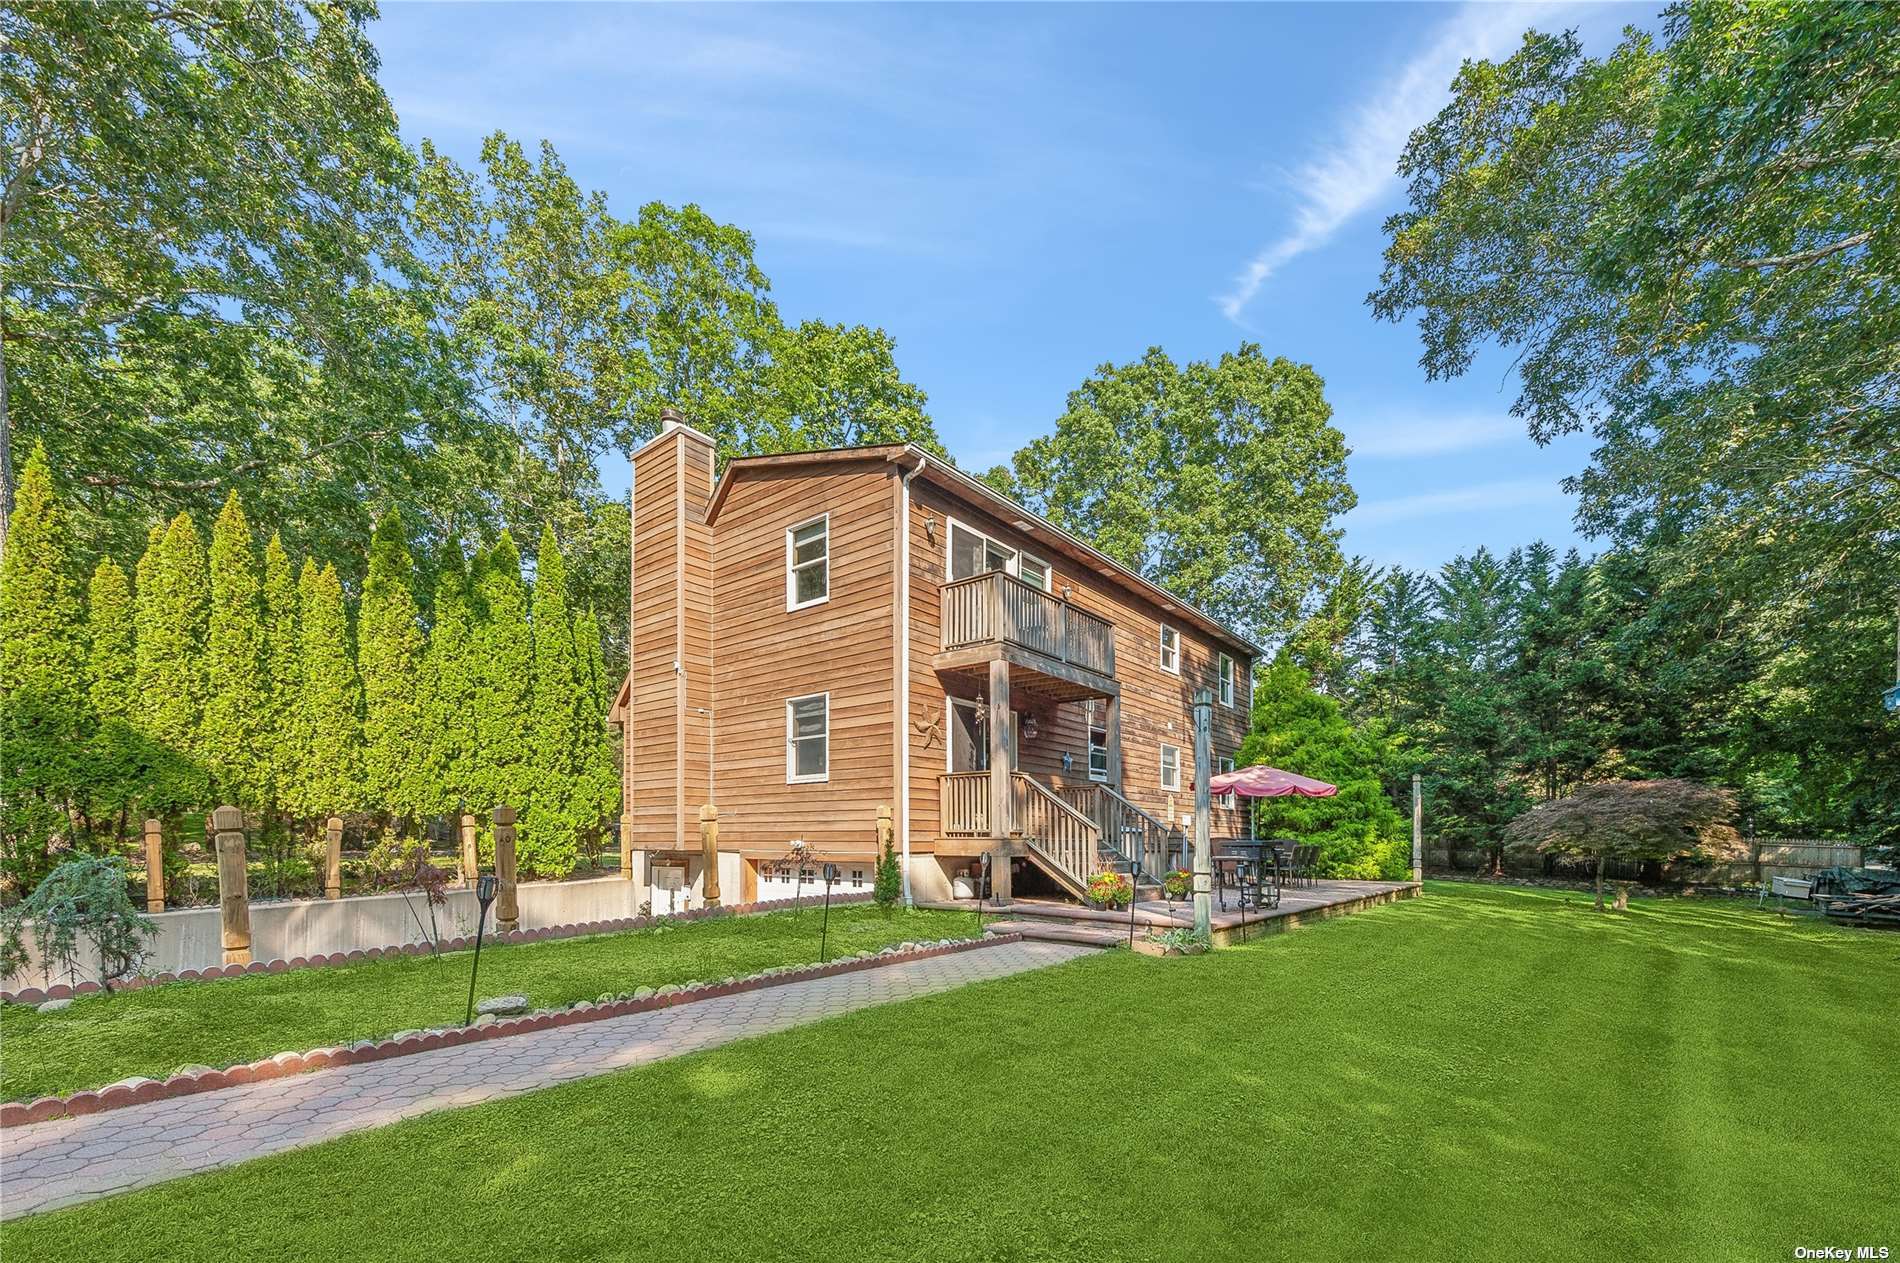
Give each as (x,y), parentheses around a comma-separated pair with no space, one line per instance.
(1019,194)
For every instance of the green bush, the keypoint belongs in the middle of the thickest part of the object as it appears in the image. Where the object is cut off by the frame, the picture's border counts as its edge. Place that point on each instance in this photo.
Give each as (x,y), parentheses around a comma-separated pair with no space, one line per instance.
(81,900)
(890,881)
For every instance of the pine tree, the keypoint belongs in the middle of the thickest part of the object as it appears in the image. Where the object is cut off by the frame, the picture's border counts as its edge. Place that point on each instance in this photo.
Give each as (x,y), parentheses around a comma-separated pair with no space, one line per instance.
(447,691)
(329,700)
(389,646)
(43,703)
(111,647)
(504,660)
(280,740)
(549,836)
(236,701)
(171,600)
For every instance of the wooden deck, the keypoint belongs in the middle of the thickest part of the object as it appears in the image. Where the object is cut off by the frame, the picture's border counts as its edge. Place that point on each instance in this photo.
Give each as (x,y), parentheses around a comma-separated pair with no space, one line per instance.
(1298,906)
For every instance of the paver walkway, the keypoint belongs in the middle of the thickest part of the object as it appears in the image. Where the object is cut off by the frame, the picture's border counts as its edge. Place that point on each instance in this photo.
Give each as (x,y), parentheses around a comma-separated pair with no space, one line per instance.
(52,1164)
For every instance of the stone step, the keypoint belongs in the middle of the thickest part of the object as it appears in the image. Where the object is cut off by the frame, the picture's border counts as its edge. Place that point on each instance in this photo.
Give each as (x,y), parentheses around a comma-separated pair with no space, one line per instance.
(1060,932)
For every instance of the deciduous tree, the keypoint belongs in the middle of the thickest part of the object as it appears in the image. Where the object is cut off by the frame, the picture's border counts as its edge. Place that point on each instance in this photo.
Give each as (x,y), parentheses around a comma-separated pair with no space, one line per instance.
(1631,820)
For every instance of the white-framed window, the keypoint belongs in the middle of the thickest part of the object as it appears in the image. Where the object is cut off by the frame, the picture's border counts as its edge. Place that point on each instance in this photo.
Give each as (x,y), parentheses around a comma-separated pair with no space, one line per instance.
(808,738)
(1225,764)
(1170,650)
(808,563)
(1034,570)
(971,552)
(1171,769)
(1226,680)
(1098,742)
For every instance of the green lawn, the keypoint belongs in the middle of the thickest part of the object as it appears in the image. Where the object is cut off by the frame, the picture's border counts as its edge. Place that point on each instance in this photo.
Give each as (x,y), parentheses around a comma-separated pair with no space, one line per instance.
(155,1030)
(1482,1073)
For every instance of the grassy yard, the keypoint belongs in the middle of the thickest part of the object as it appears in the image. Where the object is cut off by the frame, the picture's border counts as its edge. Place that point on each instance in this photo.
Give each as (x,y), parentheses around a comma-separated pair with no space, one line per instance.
(155,1030)
(1483,1073)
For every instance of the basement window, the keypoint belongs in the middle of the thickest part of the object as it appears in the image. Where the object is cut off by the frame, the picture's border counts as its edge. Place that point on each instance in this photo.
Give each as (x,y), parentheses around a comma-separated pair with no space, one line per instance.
(808,563)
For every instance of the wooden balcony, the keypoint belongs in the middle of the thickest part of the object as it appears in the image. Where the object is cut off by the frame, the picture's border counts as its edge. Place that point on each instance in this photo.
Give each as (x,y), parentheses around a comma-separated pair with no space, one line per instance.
(1055,647)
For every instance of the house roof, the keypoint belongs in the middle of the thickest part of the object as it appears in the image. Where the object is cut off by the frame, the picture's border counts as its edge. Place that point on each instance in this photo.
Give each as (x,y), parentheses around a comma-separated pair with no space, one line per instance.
(941,473)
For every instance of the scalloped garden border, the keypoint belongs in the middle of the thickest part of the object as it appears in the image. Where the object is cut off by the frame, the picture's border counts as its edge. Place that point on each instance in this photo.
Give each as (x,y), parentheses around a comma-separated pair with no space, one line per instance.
(573,929)
(142,1091)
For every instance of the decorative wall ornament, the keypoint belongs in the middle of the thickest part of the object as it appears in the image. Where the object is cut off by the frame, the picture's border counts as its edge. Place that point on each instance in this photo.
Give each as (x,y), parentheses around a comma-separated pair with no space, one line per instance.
(930,727)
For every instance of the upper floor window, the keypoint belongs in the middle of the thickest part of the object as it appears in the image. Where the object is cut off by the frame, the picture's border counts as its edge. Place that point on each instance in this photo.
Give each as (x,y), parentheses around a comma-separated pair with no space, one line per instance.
(808,738)
(1226,680)
(1171,768)
(1170,650)
(808,563)
(973,553)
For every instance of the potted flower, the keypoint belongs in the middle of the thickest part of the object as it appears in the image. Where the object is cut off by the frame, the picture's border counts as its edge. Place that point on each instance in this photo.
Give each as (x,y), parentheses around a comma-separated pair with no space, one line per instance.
(1176,884)
(1180,941)
(1110,890)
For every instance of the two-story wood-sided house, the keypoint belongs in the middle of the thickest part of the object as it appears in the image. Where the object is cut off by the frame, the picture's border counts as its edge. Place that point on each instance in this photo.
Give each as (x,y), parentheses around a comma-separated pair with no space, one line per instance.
(819,634)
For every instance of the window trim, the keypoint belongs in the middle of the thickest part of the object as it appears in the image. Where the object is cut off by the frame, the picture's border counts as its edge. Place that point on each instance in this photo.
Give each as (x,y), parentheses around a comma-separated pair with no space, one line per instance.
(1090,747)
(792,775)
(792,565)
(1225,670)
(1013,567)
(1161,642)
(1225,763)
(1165,786)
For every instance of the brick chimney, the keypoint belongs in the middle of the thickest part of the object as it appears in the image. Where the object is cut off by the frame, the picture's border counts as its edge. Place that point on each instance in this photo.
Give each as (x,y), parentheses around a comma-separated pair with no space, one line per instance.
(668,751)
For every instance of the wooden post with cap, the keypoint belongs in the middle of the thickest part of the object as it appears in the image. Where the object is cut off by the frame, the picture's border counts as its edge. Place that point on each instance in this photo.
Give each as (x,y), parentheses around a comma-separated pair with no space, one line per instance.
(1203,853)
(471,853)
(507,909)
(333,858)
(234,896)
(709,854)
(154,865)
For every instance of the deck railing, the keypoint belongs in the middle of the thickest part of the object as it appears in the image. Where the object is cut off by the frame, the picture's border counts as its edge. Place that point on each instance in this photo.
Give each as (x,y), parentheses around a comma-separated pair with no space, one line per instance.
(1064,836)
(1126,829)
(966,804)
(997,606)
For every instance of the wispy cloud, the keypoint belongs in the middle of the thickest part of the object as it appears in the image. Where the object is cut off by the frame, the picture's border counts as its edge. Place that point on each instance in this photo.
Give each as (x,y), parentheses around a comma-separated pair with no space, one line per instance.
(1358,168)
(1429,435)
(1511,493)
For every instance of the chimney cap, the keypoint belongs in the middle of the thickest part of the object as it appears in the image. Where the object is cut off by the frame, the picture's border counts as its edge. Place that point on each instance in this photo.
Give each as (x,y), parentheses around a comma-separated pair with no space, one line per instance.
(671,418)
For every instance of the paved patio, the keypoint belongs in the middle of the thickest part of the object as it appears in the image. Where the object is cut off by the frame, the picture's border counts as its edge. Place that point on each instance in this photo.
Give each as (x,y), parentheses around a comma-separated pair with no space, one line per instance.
(53,1164)
(1296,903)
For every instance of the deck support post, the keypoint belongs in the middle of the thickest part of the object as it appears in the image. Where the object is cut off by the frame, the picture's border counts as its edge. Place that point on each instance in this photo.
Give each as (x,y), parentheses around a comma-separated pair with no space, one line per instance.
(1112,724)
(1203,850)
(1418,829)
(997,721)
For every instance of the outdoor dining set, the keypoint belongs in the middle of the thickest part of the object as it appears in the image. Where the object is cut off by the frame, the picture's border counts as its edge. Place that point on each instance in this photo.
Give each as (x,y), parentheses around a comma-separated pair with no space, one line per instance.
(1259,869)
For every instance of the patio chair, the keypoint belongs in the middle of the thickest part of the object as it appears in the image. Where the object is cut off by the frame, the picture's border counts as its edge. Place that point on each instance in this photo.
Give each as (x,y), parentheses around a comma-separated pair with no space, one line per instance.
(1304,857)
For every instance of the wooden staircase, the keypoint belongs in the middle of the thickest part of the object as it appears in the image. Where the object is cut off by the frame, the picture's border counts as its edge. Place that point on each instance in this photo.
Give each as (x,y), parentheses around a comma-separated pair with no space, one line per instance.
(1071,834)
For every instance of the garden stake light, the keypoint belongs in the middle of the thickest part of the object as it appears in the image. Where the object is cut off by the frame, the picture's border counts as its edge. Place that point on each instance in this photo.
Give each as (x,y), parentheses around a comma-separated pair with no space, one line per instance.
(485,887)
(982,884)
(824,926)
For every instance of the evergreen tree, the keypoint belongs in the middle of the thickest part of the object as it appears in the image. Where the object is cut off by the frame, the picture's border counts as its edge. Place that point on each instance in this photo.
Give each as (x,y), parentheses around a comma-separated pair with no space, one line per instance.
(557,732)
(111,648)
(448,696)
(280,741)
(117,770)
(329,700)
(389,645)
(1358,830)
(236,702)
(504,661)
(171,599)
(43,703)
(598,799)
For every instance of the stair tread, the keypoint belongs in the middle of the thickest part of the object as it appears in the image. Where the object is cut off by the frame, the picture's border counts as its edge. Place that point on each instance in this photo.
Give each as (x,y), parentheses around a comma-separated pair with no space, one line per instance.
(1059,932)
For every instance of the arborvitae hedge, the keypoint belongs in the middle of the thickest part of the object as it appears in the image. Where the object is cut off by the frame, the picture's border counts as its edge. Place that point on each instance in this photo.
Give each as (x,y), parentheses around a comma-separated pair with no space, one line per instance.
(329,724)
(111,643)
(389,648)
(448,691)
(43,705)
(504,653)
(236,704)
(549,834)
(171,600)
(279,743)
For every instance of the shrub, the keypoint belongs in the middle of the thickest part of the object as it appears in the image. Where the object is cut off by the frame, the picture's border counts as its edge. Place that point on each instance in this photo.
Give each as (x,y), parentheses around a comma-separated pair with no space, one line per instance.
(81,899)
(1112,889)
(890,881)
(1180,937)
(1177,883)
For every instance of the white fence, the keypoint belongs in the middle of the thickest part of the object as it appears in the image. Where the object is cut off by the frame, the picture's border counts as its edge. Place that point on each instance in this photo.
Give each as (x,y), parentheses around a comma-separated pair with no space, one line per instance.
(191,938)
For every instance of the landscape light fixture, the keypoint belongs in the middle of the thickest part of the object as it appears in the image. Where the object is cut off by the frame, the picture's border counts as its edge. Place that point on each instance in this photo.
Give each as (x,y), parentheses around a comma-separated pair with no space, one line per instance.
(824,926)
(485,888)
(982,884)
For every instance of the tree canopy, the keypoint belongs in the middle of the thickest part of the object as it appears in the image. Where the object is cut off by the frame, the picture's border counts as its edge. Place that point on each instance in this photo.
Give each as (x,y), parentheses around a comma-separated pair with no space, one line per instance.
(1631,820)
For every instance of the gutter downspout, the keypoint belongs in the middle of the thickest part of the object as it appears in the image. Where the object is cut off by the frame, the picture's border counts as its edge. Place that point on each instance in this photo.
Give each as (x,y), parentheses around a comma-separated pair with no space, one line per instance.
(903,670)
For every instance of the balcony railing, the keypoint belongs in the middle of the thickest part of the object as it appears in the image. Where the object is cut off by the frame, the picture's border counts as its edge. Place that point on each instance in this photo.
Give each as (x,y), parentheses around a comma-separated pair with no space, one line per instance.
(999,607)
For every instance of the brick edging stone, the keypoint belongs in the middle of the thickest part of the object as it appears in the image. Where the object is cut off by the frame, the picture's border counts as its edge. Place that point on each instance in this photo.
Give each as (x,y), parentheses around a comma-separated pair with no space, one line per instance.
(575,929)
(139,1091)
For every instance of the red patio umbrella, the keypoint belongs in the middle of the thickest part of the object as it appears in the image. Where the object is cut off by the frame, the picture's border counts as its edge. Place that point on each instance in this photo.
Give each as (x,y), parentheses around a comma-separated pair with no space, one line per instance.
(1261,781)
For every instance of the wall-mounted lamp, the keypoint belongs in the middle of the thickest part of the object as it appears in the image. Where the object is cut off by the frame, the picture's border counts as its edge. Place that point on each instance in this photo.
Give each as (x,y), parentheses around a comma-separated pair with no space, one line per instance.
(930,528)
